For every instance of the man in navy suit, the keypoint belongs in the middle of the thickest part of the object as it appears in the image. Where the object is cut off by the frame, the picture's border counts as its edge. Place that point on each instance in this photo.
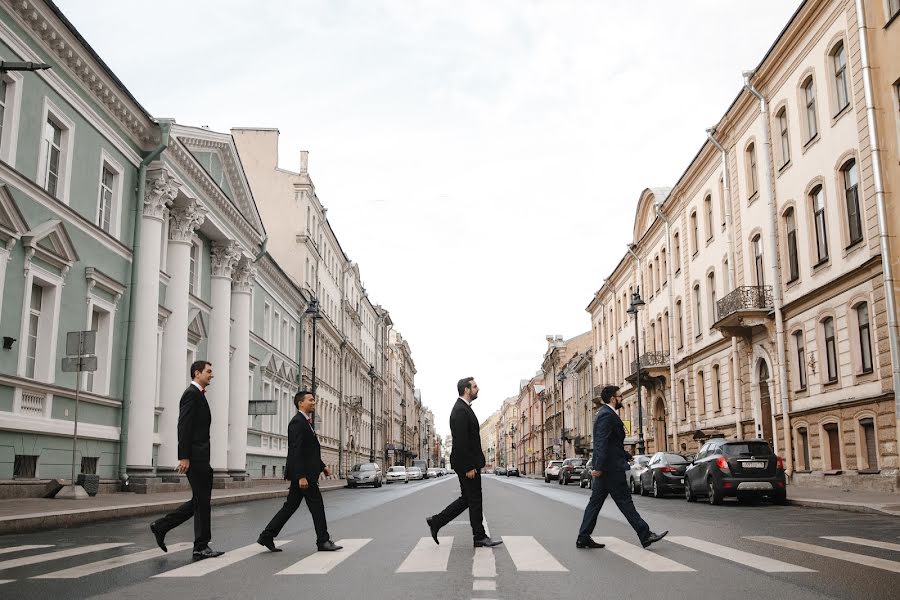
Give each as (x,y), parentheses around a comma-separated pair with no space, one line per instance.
(610,461)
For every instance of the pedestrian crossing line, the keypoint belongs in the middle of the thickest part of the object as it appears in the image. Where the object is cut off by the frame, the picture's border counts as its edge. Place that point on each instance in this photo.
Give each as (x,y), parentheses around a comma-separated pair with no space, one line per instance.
(483,564)
(642,558)
(860,559)
(209,565)
(39,558)
(484,585)
(112,563)
(762,563)
(2,581)
(426,557)
(321,563)
(24,548)
(863,542)
(528,554)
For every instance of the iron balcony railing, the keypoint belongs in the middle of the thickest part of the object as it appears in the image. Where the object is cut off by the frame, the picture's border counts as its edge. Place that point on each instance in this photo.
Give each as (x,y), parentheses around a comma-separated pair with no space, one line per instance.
(651,359)
(745,297)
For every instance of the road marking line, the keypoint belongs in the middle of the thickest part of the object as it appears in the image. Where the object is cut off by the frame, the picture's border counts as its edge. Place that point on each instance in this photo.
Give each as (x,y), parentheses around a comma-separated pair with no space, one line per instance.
(458,523)
(768,565)
(483,564)
(860,559)
(31,560)
(484,585)
(2,581)
(642,558)
(321,563)
(863,542)
(427,557)
(208,565)
(112,563)
(23,548)
(528,554)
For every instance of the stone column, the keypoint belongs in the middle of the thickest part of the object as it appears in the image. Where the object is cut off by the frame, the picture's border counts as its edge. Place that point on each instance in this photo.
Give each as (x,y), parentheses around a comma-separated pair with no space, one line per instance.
(161,190)
(241,292)
(224,256)
(174,370)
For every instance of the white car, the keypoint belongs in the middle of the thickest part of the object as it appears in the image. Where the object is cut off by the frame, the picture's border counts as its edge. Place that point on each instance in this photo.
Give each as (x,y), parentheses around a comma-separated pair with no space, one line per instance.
(433,472)
(415,473)
(552,470)
(396,473)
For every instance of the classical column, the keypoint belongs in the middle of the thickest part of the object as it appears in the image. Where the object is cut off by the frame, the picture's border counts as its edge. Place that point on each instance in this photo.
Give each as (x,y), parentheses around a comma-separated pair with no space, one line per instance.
(241,292)
(161,190)
(174,370)
(224,256)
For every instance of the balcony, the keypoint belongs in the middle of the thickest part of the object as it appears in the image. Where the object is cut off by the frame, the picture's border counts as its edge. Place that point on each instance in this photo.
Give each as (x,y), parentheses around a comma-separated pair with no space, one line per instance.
(654,369)
(745,309)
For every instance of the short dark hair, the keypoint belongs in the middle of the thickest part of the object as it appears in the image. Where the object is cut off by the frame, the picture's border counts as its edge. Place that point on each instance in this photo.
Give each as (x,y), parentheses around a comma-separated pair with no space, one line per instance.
(299,396)
(463,384)
(198,365)
(608,392)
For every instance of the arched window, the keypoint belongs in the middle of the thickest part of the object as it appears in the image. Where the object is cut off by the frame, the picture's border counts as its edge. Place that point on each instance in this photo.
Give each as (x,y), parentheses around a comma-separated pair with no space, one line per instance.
(758,260)
(865,337)
(708,213)
(701,394)
(679,317)
(790,228)
(839,63)
(817,199)
(830,349)
(850,178)
(695,233)
(800,350)
(711,285)
(698,326)
(665,266)
(682,389)
(752,177)
(809,99)
(783,137)
(722,201)
(717,389)
(659,275)
(677,255)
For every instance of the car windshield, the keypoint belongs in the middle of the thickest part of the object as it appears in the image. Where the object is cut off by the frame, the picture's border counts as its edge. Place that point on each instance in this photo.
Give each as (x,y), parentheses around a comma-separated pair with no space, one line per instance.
(675,459)
(577,462)
(556,463)
(367,467)
(396,469)
(642,460)
(747,449)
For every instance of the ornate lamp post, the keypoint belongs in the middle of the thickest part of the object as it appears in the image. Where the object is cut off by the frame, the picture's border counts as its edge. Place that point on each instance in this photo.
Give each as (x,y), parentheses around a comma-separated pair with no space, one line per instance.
(372,416)
(562,412)
(636,304)
(313,311)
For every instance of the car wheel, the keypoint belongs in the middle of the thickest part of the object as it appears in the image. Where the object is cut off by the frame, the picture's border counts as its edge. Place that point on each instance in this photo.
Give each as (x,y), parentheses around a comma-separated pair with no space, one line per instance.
(546,479)
(633,485)
(688,492)
(780,499)
(714,496)
(378,483)
(644,491)
(407,481)
(657,492)
(581,483)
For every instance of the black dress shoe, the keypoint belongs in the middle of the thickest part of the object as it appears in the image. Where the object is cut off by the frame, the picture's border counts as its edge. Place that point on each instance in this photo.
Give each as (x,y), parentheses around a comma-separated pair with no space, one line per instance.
(268,543)
(159,534)
(434,529)
(487,542)
(328,546)
(653,537)
(206,553)
(588,543)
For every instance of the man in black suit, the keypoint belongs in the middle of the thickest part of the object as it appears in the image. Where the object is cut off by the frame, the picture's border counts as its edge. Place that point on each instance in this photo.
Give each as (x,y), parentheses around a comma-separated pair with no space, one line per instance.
(194,419)
(304,465)
(610,461)
(467,459)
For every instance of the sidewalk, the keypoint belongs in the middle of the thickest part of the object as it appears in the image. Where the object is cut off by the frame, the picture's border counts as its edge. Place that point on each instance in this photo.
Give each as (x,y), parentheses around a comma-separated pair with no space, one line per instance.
(30,514)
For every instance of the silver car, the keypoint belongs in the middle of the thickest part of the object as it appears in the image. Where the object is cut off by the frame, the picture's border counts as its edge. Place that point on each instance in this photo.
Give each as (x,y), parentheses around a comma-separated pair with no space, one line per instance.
(638,465)
(364,474)
(396,473)
(415,473)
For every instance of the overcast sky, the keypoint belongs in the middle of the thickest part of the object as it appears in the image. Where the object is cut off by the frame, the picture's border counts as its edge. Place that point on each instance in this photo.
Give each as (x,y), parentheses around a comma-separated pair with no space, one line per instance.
(479,160)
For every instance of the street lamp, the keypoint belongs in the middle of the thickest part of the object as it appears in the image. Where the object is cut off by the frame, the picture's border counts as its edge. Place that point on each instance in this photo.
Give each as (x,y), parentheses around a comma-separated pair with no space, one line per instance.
(512,445)
(562,411)
(6,66)
(313,311)
(636,304)
(372,416)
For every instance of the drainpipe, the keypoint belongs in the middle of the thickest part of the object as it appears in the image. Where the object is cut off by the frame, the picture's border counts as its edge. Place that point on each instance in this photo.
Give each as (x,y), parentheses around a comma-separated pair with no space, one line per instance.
(736,404)
(776,277)
(637,288)
(165,126)
(884,240)
(671,284)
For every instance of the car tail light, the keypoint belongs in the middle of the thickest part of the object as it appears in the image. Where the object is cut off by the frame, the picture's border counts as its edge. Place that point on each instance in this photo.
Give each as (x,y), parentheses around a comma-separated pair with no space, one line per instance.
(667,469)
(780,464)
(722,463)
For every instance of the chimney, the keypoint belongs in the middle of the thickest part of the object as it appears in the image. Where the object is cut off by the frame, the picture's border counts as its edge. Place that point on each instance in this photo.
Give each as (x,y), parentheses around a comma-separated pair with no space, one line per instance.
(304,161)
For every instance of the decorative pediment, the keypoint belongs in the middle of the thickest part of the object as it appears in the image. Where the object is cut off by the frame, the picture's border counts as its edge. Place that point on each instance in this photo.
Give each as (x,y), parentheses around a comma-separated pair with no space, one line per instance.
(12,223)
(196,327)
(50,242)
(100,280)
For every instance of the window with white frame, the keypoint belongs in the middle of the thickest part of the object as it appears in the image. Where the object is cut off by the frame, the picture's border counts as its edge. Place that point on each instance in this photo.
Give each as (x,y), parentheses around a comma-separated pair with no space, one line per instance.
(809,100)
(865,337)
(105,201)
(101,323)
(711,285)
(708,213)
(34,326)
(39,326)
(817,199)
(752,175)
(10,103)
(831,366)
(841,84)
(677,255)
(783,137)
(194,268)
(267,322)
(850,178)
(53,156)
(757,248)
(800,349)
(695,234)
(698,326)
(790,229)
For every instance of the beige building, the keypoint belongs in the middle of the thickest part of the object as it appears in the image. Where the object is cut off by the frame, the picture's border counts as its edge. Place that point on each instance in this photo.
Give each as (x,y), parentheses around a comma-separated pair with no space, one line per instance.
(559,413)
(487,432)
(531,435)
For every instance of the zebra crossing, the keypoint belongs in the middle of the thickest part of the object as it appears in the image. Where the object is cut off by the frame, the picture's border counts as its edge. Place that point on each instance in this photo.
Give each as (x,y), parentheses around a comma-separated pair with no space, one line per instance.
(526,553)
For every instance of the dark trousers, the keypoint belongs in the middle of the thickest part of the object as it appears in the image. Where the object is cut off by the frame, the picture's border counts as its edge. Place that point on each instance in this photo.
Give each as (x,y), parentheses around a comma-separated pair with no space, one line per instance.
(200,476)
(611,484)
(316,508)
(470,497)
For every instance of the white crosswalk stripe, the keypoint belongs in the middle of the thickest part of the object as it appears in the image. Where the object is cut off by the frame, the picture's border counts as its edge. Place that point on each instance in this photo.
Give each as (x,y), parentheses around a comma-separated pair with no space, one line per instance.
(427,557)
(321,563)
(768,565)
(2,581)
(209,565)
(483,564)
(528,554)
(113,563)
(642,558)
(24,548)
(863,542)
(39,558)
(860,559)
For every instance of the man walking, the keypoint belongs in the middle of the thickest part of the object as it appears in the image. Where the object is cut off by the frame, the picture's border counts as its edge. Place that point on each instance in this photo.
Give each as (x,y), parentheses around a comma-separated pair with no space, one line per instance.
(194,419)
(304,465)
(467,459)
(610,461)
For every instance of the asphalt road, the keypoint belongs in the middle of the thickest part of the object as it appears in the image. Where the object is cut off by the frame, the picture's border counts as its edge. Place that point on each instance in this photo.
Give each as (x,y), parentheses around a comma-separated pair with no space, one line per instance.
(389,554)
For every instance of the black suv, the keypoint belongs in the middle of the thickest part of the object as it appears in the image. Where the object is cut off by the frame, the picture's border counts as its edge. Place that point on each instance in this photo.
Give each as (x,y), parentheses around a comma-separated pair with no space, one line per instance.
(741,468)
(571,470)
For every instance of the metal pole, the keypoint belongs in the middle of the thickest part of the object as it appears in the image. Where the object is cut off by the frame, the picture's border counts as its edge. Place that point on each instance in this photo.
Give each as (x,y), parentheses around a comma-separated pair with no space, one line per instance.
(75,435)
(372,424)
(314,319)
(637,354)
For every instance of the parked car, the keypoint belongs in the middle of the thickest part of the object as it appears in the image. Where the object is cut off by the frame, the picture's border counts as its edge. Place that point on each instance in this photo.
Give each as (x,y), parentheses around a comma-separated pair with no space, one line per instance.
(633,475)
(432,472)
(500,471)
(586,480)
(512,471)
(742,468)
(415,473)
(664,475)
(396,473)
(422,465)
(443,471)
(365,474)
(570,470)
(552,470)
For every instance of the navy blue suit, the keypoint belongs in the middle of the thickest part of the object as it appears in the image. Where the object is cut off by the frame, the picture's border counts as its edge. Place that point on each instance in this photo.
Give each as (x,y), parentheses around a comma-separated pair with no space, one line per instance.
(610,457)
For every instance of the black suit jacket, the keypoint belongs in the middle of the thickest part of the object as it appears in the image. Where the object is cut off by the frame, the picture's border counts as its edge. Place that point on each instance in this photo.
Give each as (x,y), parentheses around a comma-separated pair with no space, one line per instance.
(304,458)
(466,454)
(609,439)
(194,419)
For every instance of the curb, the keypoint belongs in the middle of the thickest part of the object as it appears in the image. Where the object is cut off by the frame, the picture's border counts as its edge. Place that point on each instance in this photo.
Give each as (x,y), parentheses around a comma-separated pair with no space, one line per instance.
(832,505)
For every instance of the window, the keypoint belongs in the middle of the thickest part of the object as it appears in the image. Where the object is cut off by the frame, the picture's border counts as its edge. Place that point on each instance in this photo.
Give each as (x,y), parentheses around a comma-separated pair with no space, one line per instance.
(665,266)
(833,440)
(865,338)
(679,316)
(817,197)
(758,260)
(752,177)
(801,360)
(52,156)
(785,145)
(850,177)
(4,92)
(25,466)
(722,201)
(34,327)
(809,99)
(708,212)
(698,326)
(839,62)
(267,322)
(803,434)
(701,393)
(711,286)
(659,274)
(717,389)
(790,226)
(695,234)
(194,269)
(683,395)
(677,255)
(830,349)
(89,465)
(10,103)
(869,443)
(105,202)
